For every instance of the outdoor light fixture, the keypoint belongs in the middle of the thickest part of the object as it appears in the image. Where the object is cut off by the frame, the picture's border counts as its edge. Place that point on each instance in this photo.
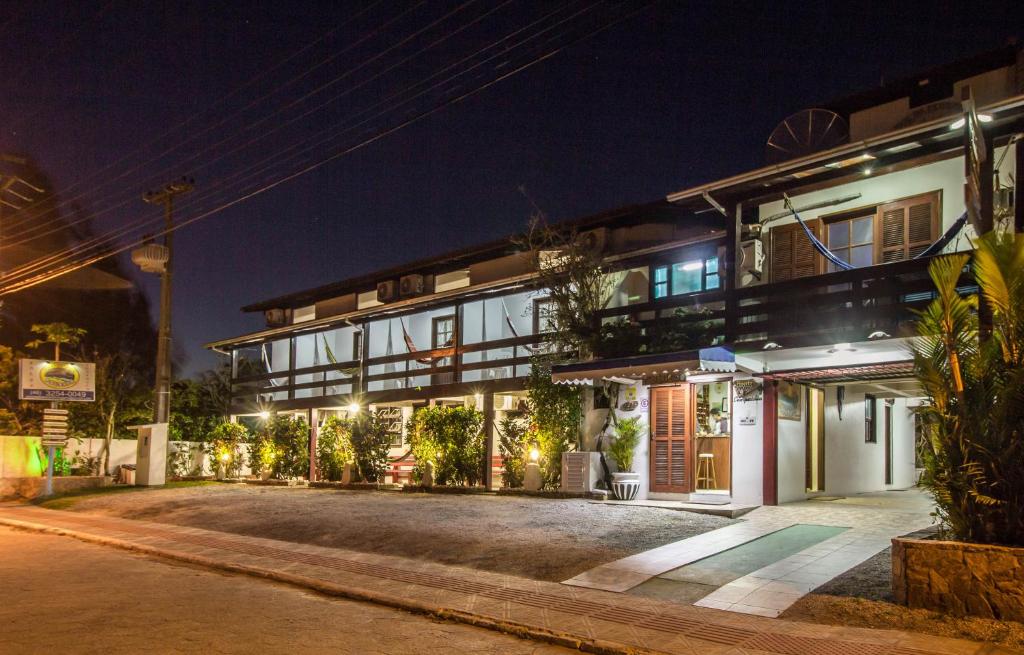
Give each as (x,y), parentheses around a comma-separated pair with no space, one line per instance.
(534,455)
(264,415)
(958,123)
(224,457)
(842,348)
(353,408)
(692,266)
(878,334)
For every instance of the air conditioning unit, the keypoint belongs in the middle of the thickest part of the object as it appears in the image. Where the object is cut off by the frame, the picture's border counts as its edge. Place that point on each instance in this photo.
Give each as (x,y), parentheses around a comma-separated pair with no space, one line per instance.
(386,291)
(752,257)
(276,317)
(596,240)
(410,285)
(581,471)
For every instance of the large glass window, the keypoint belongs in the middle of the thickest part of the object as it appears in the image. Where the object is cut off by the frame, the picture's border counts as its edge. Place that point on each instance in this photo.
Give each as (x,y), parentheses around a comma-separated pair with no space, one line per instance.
(690,276)
(853,241)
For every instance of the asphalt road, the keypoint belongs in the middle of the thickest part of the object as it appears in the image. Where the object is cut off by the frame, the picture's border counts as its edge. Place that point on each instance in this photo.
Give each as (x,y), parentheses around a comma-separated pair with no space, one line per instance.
(61,595)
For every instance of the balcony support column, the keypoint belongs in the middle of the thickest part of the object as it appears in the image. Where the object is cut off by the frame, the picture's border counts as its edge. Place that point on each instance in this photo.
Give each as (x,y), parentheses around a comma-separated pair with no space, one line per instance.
(731,272)
(488,439)
(1018,191)
(770,449)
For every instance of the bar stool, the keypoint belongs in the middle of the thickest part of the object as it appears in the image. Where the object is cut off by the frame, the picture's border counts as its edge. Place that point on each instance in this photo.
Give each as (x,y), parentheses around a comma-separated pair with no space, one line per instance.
(706,471)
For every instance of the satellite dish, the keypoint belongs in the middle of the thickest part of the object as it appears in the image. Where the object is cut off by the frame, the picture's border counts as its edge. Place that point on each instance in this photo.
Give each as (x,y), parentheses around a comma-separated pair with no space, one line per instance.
(806,132)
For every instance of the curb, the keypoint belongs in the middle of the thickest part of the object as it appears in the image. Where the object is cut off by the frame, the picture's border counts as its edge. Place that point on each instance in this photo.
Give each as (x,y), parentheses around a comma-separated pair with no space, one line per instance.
(586,645)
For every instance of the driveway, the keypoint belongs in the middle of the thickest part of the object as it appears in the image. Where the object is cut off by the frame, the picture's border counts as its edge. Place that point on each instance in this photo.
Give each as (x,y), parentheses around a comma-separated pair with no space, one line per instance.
(537,538)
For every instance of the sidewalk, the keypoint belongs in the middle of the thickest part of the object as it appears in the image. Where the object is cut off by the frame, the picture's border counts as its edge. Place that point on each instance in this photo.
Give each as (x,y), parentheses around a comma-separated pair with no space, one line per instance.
(592,620)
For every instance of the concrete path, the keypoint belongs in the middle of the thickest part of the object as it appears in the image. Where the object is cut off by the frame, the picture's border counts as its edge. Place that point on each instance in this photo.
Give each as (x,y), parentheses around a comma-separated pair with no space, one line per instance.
(592,620)
(873,520)
(65,596)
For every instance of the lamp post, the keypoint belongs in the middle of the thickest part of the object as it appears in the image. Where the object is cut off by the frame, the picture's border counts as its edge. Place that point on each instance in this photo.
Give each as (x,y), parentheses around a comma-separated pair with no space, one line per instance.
(156,259)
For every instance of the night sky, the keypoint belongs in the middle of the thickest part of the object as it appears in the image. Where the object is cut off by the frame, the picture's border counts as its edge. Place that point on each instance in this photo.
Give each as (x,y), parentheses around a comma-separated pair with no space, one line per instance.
(113,98)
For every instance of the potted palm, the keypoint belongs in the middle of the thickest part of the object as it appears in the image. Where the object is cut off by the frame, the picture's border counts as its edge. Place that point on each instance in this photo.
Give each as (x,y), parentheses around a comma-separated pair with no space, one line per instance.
(625,482)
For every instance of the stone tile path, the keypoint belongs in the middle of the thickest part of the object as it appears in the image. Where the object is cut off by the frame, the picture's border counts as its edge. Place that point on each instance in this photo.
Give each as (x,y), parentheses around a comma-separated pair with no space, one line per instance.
(873,519)
(592,620)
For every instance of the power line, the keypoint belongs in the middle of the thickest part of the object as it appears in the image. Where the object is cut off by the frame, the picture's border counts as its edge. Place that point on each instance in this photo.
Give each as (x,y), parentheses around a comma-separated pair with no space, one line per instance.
(103,239)
(42,277)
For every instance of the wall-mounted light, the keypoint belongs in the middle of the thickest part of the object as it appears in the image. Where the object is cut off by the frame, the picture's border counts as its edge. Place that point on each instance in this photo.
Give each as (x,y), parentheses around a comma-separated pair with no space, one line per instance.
(960,122)
(353,408)
(264,415)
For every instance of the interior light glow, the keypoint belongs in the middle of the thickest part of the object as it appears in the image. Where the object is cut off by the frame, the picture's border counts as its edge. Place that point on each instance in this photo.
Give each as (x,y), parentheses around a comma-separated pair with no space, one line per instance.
(692,266)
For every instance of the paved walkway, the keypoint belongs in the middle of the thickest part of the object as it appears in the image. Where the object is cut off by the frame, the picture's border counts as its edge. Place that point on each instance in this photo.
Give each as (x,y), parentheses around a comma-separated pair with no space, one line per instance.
(873,520)
(593,620)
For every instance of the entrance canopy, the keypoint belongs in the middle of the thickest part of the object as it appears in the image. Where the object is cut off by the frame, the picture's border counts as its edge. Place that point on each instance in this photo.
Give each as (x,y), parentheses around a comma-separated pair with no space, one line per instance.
(647,368)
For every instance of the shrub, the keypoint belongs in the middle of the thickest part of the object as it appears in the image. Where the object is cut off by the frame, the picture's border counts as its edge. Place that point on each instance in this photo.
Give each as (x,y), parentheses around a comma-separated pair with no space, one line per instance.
(974,420)
(281,447)
(556,412)
(452,438)
(224,447)
(333,448)
(513,434)
(371,443)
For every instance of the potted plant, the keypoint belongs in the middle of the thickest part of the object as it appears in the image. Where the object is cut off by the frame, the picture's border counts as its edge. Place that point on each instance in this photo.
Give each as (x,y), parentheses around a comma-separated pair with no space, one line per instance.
(625,483)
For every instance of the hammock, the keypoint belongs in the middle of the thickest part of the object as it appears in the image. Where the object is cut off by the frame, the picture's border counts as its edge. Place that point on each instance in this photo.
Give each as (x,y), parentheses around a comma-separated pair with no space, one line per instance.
(533,350)
(351,372)
(266,363)
(933,249)
(447,350)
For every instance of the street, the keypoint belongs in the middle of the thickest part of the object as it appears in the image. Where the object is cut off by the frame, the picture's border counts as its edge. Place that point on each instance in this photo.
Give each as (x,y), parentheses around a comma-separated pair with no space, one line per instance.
(73,597)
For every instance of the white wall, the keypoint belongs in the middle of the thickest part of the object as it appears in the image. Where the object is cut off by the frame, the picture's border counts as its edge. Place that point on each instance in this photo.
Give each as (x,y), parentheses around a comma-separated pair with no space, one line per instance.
(748,451)
(792,447)
(593,421)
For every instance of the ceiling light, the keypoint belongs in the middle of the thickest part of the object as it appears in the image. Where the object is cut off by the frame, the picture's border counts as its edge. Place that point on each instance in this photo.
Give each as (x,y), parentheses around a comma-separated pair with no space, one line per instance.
(960,122)
(771,345)
(692,266)
(984,118)
(957,124)
(879,334)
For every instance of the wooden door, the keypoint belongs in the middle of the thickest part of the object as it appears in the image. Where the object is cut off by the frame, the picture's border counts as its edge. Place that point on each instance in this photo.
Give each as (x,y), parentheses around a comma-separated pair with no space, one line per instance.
(670,439)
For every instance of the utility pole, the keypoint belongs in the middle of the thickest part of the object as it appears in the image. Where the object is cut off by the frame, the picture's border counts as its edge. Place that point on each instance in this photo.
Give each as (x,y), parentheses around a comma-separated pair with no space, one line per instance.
(162,393)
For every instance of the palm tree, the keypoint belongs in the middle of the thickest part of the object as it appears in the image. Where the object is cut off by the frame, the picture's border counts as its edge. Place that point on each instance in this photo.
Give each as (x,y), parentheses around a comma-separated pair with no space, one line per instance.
(57,334)
(974,382)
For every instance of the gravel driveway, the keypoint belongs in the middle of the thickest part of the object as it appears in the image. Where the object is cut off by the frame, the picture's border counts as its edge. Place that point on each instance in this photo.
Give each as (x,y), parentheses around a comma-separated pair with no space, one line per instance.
(538,538)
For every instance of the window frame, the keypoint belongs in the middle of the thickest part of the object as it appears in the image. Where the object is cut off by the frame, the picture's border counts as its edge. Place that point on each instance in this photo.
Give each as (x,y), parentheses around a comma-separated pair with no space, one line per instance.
(669,267)
(870,418)
(538,303)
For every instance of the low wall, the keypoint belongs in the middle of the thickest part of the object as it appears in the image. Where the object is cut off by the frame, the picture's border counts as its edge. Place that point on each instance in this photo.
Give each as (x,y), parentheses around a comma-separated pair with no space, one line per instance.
(29,488)
(959,578)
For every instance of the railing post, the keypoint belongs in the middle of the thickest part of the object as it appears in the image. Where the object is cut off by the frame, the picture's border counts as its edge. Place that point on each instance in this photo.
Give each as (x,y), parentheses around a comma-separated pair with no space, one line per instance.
(732,225)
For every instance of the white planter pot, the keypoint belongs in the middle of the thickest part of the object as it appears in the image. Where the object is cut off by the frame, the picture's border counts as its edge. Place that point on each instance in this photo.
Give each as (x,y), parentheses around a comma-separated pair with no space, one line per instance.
(625,486)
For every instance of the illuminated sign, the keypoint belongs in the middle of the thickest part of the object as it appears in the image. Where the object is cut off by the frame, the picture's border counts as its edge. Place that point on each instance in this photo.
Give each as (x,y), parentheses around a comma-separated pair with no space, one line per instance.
(40,379)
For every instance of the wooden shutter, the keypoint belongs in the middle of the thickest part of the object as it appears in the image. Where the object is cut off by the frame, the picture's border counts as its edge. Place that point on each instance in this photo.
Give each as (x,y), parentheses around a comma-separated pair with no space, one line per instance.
(669,439)
(792,253)
(906,227)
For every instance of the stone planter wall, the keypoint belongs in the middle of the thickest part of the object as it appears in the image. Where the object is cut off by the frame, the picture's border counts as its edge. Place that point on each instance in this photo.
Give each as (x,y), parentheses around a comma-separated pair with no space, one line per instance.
(959,578)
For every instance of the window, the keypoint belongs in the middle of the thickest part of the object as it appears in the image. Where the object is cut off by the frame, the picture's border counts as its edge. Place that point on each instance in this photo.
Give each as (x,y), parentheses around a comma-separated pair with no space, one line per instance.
(852,240)
(888,232)
(444,332)
(661,282)
(543,320)
(691,276)
(870,434)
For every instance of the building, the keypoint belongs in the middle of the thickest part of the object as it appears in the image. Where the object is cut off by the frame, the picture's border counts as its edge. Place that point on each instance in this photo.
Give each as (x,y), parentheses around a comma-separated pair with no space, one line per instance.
(803,387)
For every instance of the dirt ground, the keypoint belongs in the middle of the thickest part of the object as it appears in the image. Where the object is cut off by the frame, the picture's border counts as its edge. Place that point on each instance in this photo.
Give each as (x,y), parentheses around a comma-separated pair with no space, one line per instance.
(863,597)
(107,601)
(539,538)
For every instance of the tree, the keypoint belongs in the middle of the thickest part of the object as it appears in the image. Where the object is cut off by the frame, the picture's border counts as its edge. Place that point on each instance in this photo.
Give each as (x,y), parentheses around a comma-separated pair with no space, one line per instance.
(556,412)
(16,416)
(122,399)
(58,334)
(571,271)
(974,418)
(198,406)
